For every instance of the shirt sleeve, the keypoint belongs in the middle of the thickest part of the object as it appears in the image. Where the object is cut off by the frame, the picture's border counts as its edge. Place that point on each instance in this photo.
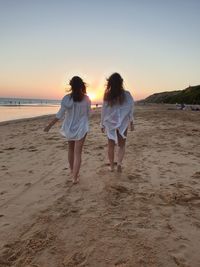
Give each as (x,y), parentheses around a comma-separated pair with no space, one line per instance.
(62,110)
(131,114)
(89,107)
(102,114)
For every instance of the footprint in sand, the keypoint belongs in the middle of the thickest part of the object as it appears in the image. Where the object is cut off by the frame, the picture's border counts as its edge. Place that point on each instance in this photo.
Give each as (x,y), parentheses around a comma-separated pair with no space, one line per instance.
(10,148)
(120,188)
(179,194)
(3,192)
(115,193)
(53,138)
(46,182)
(4,168)
(108,164)
(195,130)
(28,184)
(102,172)
(100,147)
(32,149)
(196,175)
(179,260)
(136,178)
(133,176)
(58,185)
(15,185)
(61,147)
(67,184)
(120,263)
(75,259)
(66,168)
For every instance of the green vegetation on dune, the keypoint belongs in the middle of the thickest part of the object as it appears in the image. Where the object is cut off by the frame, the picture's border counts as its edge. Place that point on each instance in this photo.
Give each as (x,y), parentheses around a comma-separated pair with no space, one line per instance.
(190,95)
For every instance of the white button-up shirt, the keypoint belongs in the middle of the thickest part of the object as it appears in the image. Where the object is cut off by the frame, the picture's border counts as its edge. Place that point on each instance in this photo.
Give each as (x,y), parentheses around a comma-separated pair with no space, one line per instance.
(76,117)
(117,117)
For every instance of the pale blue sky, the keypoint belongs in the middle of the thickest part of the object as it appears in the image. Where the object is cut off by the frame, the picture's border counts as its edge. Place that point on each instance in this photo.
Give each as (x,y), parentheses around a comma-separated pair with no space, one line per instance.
(154,44)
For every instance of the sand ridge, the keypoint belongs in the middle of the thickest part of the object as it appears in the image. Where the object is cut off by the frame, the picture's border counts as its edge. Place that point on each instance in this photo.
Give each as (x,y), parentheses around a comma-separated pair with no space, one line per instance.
(146,216)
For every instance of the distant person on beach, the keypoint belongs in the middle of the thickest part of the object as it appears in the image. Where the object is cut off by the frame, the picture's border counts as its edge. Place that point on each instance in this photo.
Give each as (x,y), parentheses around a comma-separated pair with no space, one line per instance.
(180,106)
(75,108)
(116,116)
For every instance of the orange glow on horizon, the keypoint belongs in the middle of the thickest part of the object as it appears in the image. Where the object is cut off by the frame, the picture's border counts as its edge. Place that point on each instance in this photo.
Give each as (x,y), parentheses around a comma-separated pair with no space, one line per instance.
(92,96)
(95,95)
(57,91)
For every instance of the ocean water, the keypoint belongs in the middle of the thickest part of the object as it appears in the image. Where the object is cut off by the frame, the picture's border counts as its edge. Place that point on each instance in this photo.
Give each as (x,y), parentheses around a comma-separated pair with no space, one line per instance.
(8,113)
(19,108)
(26,101)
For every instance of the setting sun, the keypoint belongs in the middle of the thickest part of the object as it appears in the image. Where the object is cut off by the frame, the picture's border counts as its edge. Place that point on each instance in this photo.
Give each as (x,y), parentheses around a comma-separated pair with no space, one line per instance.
(92,96)
(96,95)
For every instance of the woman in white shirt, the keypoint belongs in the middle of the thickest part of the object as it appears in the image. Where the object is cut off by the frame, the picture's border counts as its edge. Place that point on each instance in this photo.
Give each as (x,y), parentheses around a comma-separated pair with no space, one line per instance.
(117,114)
(75,108)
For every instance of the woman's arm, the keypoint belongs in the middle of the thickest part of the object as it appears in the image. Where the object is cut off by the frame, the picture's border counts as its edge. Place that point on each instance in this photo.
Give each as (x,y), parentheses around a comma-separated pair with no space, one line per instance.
(131,114)
(102,117)
(132,127)
(59,115)
(48,127)
(89,107)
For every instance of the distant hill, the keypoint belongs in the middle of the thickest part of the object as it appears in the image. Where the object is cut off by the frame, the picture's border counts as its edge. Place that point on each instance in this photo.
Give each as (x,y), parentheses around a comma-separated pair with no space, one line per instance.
(190,95)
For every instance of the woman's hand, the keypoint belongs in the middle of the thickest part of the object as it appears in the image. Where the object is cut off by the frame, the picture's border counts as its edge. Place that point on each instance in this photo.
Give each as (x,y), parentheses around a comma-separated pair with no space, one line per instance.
(103,129)
(132,128)
(47,128)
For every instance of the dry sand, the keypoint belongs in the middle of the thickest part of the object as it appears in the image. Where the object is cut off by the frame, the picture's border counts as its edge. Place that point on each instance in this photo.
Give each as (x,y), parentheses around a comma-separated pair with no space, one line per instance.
(147,216)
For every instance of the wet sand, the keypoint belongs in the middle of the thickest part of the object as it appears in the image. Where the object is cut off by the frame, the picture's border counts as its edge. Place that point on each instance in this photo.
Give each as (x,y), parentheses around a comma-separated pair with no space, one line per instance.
(147,216)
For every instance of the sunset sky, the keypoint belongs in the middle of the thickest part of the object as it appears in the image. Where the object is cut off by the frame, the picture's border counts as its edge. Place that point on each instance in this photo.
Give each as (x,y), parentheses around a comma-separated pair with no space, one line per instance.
(153,44)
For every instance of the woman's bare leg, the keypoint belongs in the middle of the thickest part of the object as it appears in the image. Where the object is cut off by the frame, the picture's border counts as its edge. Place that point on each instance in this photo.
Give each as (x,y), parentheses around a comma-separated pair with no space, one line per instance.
(121,150)
(77,158)
(71,154)
(111,152)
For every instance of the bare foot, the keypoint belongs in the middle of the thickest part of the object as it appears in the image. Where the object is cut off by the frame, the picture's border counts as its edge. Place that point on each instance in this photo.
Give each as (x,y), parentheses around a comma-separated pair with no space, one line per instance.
(76,180)
(119,168)
(111,168)
(70,175)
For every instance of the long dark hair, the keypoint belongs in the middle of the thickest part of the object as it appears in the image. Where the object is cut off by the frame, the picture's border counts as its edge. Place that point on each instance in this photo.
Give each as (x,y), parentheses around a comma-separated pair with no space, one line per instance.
(78,88)
(114,93)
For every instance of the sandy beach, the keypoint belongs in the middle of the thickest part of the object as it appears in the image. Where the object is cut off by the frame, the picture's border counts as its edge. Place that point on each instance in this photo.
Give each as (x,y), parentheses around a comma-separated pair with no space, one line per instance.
(147,216)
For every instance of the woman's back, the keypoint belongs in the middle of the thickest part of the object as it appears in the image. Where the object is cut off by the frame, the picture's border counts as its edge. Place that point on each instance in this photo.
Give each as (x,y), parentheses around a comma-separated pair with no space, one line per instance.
(76,117)
(114,116)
